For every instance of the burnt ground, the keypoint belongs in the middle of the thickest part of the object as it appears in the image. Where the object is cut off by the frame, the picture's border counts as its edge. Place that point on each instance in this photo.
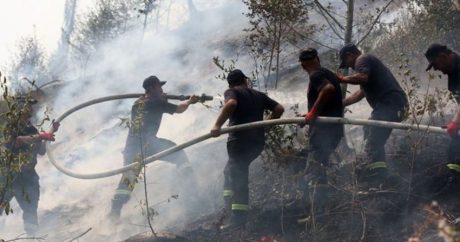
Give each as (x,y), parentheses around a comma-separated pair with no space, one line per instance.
(402,208)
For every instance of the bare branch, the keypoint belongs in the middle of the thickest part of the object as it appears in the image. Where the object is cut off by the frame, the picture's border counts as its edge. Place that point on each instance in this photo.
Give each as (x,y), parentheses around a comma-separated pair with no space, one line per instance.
(42,238)
(307,38)
(81,235)
(329,14)
(331,25)
(375,22)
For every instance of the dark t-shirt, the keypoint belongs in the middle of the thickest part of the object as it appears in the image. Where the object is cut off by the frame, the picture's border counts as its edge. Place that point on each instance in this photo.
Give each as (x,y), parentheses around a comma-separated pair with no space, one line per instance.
(250,108)
(319,79)
(454,80)
(26,154)
(324,134)
(382,89)
(146,115)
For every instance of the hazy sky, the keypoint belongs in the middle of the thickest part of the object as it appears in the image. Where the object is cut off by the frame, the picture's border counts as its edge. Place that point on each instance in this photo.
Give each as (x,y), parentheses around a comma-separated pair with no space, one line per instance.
(18,18)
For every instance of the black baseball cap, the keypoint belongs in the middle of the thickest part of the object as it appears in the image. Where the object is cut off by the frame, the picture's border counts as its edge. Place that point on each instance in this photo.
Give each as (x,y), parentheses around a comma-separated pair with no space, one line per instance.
(152,81)
(235,77)
(346,49)
(308,54)
(432,52)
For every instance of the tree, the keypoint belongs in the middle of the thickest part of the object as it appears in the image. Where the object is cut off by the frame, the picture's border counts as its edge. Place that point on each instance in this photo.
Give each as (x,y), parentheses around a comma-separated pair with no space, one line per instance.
(108,20)
(272,23)
(28,66)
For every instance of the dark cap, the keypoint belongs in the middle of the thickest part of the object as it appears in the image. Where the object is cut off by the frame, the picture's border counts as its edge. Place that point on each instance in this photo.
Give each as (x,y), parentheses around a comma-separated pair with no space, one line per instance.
(152,81)
(348,48)
(308,54)
(236,77)
(432,52)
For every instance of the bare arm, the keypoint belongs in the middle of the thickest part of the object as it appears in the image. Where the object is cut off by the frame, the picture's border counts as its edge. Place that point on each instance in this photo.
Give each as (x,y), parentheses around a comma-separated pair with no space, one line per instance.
(181,107)
(353,98)
(27,139)
(277,112)
(324,95)
(227,111)
(355,79)
(457,115)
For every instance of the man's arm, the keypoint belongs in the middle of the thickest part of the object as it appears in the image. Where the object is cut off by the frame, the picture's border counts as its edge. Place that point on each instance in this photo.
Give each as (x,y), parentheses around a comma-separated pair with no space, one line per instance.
(457,115)
(181,107)
(30,139)
(227,111)
(353,98)
(277,112)
(355,79)
(324,95)
(454,125)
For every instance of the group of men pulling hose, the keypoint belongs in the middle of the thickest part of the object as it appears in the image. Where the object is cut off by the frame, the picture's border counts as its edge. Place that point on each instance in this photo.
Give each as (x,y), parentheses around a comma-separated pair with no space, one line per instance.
(244,105)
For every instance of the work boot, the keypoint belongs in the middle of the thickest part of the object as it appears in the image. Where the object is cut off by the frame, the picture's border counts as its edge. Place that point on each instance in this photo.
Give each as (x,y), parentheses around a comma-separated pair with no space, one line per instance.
(238,221)
(375,176)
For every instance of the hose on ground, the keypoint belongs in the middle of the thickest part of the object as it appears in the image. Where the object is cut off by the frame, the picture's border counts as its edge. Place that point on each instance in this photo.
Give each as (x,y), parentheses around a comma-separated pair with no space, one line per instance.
(259,124)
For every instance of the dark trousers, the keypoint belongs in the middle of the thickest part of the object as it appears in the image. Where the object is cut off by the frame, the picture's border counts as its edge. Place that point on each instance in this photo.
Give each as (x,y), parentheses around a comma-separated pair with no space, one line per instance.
(376,137)
(236,184)
(324,139)
(133,154)
(26,189)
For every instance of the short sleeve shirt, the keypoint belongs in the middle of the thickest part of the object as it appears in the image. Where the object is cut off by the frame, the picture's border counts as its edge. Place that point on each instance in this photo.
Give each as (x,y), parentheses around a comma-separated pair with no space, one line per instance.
(382,89)
(25,153)
(319,79)
(250,108)
(454,80)
(146,115)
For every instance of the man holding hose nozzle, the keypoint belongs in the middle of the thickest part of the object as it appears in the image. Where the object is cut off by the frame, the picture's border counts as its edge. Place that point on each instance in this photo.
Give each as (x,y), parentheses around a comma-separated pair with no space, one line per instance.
(324,99)
(443,59)
(388,102)
(23,144)
(142,141)
(242,105)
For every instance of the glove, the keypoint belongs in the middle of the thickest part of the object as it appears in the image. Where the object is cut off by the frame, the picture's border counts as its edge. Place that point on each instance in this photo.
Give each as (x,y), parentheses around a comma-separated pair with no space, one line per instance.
(340,78)
(46,136)
(452,129)
(311,116)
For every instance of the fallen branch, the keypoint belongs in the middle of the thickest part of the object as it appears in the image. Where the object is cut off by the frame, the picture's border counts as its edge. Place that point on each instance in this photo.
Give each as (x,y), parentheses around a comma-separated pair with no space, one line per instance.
(81,235)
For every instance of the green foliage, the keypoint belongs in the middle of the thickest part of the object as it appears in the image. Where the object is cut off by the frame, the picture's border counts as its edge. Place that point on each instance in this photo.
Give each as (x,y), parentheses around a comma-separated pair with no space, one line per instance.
(106,21)
(12,122)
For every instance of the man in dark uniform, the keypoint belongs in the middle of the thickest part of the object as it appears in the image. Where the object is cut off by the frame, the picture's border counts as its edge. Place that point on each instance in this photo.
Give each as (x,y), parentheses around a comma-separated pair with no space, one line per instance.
(443,59)
(142,141)
(242,105)
(384,95)
(24,143)
(324,99)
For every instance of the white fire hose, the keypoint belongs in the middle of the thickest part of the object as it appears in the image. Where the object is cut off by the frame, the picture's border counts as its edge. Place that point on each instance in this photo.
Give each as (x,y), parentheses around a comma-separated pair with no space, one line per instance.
(260,124)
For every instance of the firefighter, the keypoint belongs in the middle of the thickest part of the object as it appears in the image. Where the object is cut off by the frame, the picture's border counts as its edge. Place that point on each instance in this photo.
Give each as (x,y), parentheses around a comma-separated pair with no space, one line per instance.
(443,59)
(324,99)
(386,98)
(142,140)
(23,143)
(242,105)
